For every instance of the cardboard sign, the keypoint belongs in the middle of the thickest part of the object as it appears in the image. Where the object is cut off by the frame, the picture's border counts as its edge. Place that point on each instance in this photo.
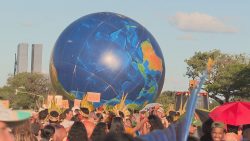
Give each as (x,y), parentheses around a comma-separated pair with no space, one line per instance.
(59,99)
(5,103)
(192,83)
(49,99)
(65,104)
(77,103)
(93,97)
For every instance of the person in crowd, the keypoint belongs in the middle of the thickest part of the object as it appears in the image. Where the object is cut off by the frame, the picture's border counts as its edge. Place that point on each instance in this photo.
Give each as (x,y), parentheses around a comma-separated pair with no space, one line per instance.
(161,114)
(99,117)
(100,131)
(117,125)
(35,128)
(87,123)
(23,132)
(47,133)
(67,122)
(232,133)
(60,132)
(155,123)
(112,136)
(218,131)
(5,132)
(231,137)
(42,115)
(77,132)
(194,126)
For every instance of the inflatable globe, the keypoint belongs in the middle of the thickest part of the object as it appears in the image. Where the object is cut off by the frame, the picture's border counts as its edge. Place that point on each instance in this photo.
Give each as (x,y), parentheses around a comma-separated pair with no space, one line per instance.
(109,54)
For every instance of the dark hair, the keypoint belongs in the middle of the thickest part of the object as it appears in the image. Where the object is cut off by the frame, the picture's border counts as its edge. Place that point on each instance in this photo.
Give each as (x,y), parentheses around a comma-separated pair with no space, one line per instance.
(78,132)
(99,117)
(233,129)
(54,114)
(155,122)
(121,114)
(85,110)
(47,132)
(118,137)
(170,119)
(35,128)
(99,132)
(117,125)
(43,114)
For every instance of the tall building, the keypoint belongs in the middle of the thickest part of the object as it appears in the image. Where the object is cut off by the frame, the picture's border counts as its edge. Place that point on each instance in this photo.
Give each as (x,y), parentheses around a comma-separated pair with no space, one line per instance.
(36,58)
(22,57)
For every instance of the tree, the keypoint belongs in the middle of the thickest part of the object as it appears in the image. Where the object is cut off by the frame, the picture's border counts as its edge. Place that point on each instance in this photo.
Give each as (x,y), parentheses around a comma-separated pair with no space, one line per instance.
(25,90)
(229,77)
(166,98)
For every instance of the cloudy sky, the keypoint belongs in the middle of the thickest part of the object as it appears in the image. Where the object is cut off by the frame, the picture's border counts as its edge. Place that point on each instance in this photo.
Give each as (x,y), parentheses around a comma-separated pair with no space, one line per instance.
(181,28)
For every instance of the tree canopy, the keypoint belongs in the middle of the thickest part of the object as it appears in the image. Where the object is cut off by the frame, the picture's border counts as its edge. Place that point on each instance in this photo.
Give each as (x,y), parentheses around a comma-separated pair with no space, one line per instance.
(229,78)
(26,90)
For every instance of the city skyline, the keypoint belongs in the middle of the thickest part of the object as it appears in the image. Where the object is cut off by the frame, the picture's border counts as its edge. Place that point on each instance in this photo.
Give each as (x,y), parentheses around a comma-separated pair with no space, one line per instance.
(180,28)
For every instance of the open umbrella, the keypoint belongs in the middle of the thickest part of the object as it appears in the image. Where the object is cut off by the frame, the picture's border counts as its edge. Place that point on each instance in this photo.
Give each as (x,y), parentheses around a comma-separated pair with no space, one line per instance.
(150,105)
(233,113)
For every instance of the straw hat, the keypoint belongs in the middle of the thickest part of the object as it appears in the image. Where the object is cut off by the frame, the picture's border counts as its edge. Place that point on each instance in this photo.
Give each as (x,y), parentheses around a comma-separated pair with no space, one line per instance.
(13,117)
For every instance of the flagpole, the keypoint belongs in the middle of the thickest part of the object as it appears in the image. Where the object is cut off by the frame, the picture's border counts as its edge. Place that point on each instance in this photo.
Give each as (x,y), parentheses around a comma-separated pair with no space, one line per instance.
(192,102)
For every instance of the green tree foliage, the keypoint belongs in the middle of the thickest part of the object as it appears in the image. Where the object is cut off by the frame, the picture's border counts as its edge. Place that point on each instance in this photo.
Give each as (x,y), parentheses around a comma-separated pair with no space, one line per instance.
(228,79)
(166,98)
(26,90)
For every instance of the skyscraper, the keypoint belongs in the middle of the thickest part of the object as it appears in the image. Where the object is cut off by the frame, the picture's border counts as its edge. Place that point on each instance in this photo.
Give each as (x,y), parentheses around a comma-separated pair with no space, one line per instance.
(36,58)
(22,57)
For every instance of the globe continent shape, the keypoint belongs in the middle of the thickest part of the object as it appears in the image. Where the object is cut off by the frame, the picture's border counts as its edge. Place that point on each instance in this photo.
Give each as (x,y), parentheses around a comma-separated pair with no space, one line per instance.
(110,54)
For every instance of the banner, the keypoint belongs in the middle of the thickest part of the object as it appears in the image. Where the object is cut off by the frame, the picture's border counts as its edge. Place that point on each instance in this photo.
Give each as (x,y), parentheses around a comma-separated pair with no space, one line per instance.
(93,97)
(65,104)
(77,103)
(58,100)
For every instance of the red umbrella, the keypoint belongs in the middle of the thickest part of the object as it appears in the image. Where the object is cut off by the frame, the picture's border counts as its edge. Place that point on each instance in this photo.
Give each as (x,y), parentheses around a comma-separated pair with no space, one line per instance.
(233,113)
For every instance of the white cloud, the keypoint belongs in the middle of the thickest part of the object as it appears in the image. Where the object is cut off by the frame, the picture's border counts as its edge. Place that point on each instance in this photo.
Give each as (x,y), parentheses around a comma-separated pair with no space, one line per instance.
(186,37)
(199,22)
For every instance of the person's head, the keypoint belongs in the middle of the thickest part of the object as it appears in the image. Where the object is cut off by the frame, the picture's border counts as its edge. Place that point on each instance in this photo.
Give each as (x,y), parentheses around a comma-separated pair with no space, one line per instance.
(60,132)
(85,112)
(232,129)
(47,132)
(118,137)
(35,128)
(68,114)
(121,114)
(155,122)
(195,124)
(23,132)
(78,132)
(231,137)
(160,112)
(53,117)
(99,117)
(5,132)
(43,114)
(99,132)
(117,125)
(128,122)
(218,131)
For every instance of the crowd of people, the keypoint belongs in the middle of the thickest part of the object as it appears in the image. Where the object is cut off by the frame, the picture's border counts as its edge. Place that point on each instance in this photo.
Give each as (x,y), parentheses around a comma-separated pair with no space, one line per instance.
(80,124)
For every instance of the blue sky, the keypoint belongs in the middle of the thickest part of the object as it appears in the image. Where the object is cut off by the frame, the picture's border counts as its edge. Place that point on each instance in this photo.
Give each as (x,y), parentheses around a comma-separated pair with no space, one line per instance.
(181,28)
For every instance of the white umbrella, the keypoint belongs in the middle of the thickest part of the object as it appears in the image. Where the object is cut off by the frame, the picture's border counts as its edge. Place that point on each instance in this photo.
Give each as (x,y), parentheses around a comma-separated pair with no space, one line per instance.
(150,105)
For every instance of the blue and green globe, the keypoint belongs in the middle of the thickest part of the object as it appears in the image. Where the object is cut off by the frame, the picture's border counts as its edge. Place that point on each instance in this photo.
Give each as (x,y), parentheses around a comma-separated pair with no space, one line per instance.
(110,54)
